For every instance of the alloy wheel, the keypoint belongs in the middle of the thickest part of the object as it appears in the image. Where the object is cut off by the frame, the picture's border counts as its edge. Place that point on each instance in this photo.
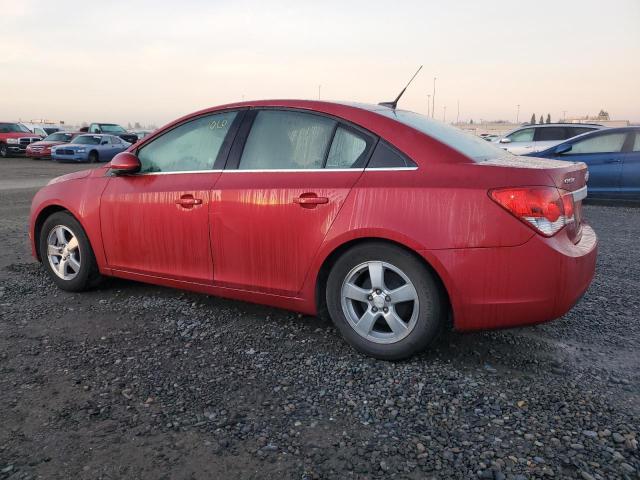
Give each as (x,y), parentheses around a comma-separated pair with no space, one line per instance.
(380,302)
(63,252)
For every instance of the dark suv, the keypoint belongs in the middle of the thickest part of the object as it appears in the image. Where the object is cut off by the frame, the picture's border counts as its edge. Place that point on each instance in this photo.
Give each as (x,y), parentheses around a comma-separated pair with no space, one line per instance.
(113,129)
(535,138)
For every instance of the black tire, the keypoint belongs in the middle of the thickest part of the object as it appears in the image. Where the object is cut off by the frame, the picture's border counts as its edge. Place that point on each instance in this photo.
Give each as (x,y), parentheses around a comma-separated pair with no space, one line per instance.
(93,157)
(431,300)
(4,152)
(88,275)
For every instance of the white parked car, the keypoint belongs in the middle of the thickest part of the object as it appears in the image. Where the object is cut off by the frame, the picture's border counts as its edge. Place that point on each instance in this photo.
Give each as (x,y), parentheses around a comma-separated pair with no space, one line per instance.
(535,138)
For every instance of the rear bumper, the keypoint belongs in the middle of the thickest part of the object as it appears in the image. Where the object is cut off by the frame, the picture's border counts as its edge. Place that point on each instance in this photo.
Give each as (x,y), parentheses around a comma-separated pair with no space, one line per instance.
(513,286)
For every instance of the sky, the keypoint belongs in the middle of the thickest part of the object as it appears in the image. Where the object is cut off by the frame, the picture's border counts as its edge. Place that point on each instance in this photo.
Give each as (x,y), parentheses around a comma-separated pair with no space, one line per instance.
(153,61)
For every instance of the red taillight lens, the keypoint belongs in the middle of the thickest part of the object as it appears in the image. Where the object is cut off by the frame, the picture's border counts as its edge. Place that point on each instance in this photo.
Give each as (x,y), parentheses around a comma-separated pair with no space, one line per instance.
(542,208)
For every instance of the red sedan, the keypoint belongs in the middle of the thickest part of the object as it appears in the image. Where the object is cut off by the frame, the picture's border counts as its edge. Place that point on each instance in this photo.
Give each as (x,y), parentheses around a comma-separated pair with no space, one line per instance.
(389,221)
(42,149)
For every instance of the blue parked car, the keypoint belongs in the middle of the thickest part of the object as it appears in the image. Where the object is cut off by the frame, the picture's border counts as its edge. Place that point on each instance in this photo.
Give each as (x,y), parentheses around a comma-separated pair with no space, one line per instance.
(612,156)
(89,148)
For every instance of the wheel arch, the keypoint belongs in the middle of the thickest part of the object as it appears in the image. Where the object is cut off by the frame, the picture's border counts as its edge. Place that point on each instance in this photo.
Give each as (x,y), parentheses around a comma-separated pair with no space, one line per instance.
(338,251)
(42,216)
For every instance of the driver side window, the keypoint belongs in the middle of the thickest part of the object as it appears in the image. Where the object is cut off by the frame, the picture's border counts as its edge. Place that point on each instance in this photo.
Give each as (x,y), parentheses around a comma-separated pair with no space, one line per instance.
(525,135)
(607,143)
(192,146)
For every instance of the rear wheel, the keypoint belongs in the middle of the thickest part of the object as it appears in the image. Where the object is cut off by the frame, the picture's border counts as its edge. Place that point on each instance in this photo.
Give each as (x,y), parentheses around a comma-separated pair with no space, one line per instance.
(66,253)
(93,157)
(4,152)
(384,301)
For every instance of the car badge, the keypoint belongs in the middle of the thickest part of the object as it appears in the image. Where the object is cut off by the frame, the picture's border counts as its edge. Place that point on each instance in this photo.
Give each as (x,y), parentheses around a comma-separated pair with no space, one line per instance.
(569,180)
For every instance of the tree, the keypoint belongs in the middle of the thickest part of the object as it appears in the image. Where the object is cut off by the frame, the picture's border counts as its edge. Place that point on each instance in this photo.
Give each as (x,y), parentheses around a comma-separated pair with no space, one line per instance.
(137,126)
(541,120)
(129,126)
(471,122)
(533,119)
(603,115)
(548,118)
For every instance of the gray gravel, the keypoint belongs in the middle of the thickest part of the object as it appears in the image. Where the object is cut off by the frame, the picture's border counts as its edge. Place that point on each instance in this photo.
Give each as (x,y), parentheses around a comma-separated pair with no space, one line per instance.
(135,381)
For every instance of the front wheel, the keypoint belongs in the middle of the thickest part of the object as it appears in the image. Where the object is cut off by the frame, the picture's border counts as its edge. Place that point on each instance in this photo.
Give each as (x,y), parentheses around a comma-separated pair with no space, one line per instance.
(4,151)
(93,157)
(67,254)
(385,302)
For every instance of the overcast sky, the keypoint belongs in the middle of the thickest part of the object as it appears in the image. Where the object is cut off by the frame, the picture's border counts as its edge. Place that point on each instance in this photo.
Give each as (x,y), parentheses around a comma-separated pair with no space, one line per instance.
(151,61)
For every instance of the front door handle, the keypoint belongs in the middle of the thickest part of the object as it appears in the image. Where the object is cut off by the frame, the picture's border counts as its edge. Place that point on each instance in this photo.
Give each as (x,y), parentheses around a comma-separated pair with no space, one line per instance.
(310,200)
(188,201)
(612,160)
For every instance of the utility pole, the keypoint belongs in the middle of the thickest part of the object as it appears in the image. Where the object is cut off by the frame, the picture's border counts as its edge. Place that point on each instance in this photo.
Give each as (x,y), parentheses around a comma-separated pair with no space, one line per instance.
(518,114)
(319,87)
(428,104)
(433,99)
(564,115)
(458,114)
(444,114)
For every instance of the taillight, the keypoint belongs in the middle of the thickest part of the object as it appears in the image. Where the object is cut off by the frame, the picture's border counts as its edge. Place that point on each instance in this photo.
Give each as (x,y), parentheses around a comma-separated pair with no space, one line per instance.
(543,208)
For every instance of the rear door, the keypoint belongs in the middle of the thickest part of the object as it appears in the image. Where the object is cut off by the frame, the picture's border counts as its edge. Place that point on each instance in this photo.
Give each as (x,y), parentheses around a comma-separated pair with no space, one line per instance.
(156,222)
(630,183)
(286,180)
(602,152)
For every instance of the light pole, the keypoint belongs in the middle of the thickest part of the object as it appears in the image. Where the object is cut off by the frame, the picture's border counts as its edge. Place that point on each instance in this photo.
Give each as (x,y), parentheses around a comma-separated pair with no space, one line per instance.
(444,114)
(458,114)
(319,87)
(433,99)
(518,114)
(564,115)
(428,104)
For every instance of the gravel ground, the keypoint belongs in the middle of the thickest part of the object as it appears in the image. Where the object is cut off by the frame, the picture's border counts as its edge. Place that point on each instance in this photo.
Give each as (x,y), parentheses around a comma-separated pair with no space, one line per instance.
(136,381)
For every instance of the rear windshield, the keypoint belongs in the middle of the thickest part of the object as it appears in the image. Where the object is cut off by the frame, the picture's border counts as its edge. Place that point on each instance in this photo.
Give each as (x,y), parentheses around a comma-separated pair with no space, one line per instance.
(473,147)
(59,137)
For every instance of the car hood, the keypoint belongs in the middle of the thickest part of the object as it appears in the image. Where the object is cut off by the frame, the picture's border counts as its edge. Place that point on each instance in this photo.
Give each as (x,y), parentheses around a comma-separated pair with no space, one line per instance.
(70,176)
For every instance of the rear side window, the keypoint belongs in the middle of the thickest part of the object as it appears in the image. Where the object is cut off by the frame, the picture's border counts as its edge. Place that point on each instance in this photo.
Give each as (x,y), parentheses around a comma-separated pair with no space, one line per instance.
(607,143)
(385,156)
(116,140)
(575,131)
(347,149)
(287,140)
(545,134)
(193,146)
(525,135)
(636,143)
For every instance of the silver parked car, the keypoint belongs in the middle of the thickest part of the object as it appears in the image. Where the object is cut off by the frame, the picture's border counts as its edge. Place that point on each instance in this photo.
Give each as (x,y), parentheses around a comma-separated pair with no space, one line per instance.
(535,138)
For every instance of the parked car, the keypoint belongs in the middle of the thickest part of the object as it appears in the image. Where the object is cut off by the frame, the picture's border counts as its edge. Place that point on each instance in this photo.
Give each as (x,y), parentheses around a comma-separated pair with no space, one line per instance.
(14,139)
(613,159)
(141,133)
(42,148)
(41,129)
(388,220)
(89,148)
(112,129)
(535,138)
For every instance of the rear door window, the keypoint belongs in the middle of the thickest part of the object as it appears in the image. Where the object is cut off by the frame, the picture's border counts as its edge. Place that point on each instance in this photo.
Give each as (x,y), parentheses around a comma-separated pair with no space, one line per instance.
(546,134)
(575,131)
(348,149)
(288,140)
(385,156)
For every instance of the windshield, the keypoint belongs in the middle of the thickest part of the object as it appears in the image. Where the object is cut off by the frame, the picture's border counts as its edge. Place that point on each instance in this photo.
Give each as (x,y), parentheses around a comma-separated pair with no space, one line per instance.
(87,140)
(13,128)
(473,147)
(59,137)
(111,128)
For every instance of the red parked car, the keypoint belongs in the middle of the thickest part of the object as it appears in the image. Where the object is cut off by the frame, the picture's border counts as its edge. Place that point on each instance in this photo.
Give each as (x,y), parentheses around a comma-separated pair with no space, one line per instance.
(391,222)
(42,149)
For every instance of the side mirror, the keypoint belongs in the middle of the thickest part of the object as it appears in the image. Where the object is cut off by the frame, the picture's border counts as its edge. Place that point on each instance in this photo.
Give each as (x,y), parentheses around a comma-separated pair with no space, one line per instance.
(562,148)
(505,140)
(125,162)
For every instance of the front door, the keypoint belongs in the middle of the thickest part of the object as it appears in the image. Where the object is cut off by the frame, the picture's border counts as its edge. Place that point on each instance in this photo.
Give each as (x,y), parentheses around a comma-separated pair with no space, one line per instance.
(273,206)
(156,222)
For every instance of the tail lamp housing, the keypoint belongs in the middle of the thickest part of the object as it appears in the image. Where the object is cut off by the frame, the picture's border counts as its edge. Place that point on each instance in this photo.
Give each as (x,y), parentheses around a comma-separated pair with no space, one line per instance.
(545,209)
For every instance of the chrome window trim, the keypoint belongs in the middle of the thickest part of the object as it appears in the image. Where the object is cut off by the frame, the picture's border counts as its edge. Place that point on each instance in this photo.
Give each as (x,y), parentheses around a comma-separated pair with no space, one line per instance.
(579,194)
(280,170)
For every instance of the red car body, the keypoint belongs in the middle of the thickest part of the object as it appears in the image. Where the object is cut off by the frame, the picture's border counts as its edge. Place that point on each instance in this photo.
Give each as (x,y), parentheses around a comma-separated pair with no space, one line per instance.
(248,237)
(42,149)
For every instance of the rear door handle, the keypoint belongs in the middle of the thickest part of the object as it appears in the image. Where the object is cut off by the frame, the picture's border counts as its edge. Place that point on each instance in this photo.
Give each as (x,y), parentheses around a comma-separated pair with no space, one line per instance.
(612,160)
(188,201)
(310,200)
